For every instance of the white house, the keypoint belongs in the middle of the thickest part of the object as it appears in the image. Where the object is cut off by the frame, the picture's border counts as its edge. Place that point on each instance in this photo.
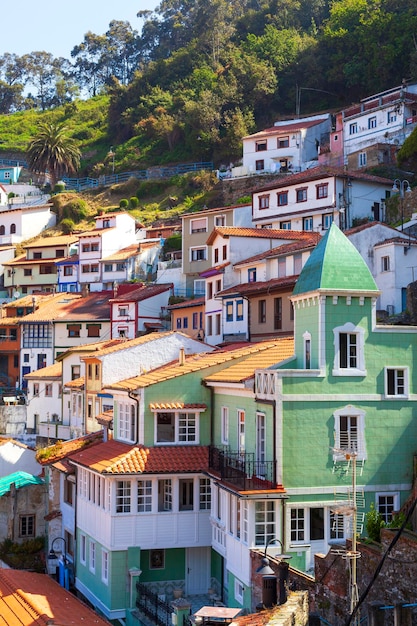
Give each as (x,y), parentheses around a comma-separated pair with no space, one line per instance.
(138,311)
(384,120)
(44,403)
(288,146)
(113,231)
(18,223)
(312,200)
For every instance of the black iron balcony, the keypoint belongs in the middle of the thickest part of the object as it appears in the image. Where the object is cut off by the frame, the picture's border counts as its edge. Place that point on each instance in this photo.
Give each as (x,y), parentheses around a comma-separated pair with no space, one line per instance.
(242,470)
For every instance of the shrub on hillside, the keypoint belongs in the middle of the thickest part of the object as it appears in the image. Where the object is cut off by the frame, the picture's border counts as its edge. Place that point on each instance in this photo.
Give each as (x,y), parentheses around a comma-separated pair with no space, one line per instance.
(67,226)
(134,202)
(123,204)
(75,210)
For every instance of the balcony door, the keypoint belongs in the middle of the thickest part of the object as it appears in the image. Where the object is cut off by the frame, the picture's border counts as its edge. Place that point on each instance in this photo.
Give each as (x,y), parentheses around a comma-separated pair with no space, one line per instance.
(260,445)
(198,571)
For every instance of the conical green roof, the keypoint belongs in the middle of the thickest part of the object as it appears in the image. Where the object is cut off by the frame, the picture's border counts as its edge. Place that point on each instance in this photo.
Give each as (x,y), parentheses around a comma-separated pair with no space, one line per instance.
(335,265)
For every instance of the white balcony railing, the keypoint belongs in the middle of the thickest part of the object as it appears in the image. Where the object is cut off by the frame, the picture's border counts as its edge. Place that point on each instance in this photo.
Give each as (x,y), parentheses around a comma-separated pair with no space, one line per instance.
(266,384)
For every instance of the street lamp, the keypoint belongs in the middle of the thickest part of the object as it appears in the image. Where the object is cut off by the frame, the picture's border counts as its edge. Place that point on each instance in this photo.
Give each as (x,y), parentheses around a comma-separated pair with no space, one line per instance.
(52,554)
(270,582)
(403,187)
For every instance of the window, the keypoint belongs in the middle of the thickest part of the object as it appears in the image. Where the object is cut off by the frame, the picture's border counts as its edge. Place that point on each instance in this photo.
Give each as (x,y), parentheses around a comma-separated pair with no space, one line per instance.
(75,371)
(264,202)
(83,549)
(337,526)
(195,321)
(225,425)
(392,117)
(282,267)
(123,496)
(74,330)
(144,496)
(176,427)
(297,525)
(199,225)
(261,145)
(156,559)
(93,330)
(385,264)
(252,275)
(353,128)
(94,247)
(322,190)
(241,431)
(239,589)
(362,159)
(396,382)
(349,428)
(326,221)
(7,175)
(209,325)
(198,254)
(218,323)
(2,230)
(262,311)
(220,220)
(27,526)
(349,351)
(229,311)
(27,272)
(69,491)
(120,267)
(301,194)
(199,287)
(372,122)
(283,142)
(94,269)
(205,494)
(12,229)
(264,522)
(277,313)
(387,504)
(209,290)
(68,270)
(282,198)
(126,421)
(104,566)
(185,322)
(36,389)
(108,267)
(123,311)
(307,223)
(69,538)
(92,563)
(239,310)
(285,225)
(216,255)
(224,253)
(47,269)
(48,390)
(307,350)
(186,494)
(259,165)
(165,495)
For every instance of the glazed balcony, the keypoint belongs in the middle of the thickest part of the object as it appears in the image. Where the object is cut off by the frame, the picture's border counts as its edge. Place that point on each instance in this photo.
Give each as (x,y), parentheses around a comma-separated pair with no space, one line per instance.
(242,470)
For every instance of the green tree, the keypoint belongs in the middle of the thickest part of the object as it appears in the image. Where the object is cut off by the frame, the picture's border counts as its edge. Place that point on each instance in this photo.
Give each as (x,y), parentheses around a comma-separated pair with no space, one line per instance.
(53,152)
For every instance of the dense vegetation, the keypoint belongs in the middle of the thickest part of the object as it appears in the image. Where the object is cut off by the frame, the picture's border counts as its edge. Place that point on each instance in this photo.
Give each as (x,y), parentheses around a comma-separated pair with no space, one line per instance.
(200,75)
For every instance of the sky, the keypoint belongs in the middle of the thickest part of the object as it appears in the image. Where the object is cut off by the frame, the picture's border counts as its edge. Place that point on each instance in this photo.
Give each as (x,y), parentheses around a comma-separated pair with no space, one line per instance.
(56,27)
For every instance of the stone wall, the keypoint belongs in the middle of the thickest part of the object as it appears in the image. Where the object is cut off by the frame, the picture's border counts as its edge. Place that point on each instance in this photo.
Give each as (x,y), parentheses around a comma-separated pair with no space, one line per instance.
(234,188)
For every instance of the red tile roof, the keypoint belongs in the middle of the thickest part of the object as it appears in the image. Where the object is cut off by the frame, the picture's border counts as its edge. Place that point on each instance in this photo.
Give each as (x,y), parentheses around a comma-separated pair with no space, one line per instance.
(61,449)
(30,599)
(260,233)
(115,457)
(287,283)
(67,307)
(187,303)
(286,248)
(284,129)
(143,292)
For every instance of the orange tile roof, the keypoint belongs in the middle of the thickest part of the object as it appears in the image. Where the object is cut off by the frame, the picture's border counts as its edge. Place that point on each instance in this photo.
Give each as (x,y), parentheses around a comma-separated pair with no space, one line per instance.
(28,599)
(187,303)
(61,449)
(69,307)
(51,371)
(130,343)
(143,292)
(260,233)
(77,383)
(60,240)
(253,289)
(124,253)
(160,406)
(194,363)
(240,372)
(115,457)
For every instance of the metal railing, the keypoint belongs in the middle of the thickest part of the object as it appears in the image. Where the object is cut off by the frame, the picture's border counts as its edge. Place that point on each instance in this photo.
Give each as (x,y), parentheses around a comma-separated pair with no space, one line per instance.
(153,173)
(242,469)
(151,605)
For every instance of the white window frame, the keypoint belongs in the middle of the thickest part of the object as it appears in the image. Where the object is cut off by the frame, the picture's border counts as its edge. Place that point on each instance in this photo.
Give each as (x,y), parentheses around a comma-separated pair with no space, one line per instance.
(220,220)
(225,425)
(241,430)
(105,566)
(198,221)
(204,486)
(265,529)
(362,159)
(83,549)
(299,526)
(397,381)
(239,591)
(384,494)
(144,496)
(385,263)
(193,252)
(307,350)
(353,128)
(126,423)
(337,525)
(372,122)
(349,329)
(92,556)
(342,446)
(308,223)
(124,497)
(188,437)
(327,221)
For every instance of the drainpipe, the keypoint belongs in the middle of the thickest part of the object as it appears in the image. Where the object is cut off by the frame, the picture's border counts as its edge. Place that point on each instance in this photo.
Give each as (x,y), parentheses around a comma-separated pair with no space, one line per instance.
(135,395)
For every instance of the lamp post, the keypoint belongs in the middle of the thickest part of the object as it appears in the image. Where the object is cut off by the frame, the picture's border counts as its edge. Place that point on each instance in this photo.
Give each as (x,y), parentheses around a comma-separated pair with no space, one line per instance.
(62,569)
(403,187)
(271,583)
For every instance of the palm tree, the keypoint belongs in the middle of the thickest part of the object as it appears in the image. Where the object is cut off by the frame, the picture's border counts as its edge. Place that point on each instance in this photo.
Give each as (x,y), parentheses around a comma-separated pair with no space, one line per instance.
(52,152)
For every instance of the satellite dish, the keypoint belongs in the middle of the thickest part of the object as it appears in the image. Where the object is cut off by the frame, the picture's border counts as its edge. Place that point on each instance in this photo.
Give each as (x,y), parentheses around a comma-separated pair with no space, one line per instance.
(16,295)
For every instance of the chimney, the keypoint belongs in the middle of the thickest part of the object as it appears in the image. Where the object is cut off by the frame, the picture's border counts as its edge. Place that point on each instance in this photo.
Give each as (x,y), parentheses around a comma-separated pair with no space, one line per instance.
(181,359)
